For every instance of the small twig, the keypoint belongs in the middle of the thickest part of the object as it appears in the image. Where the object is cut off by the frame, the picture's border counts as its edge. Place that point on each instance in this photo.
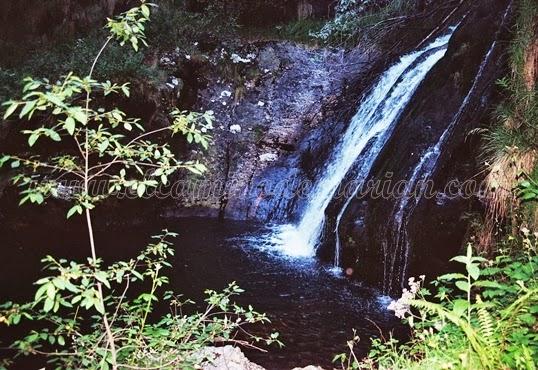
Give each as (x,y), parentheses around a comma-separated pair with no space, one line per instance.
(378,328)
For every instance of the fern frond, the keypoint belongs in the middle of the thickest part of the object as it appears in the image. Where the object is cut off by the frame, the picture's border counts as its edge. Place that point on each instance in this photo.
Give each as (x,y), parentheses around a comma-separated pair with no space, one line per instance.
(476,342)
(487,327)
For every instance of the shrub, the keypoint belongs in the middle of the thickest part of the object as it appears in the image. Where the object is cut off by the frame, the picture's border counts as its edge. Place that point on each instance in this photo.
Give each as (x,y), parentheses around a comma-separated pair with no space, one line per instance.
(85,315)
(484,318)
(355,21)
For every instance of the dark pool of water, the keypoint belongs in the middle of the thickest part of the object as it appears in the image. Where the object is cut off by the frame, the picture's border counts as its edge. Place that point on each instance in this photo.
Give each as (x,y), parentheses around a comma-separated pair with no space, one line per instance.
(313,309)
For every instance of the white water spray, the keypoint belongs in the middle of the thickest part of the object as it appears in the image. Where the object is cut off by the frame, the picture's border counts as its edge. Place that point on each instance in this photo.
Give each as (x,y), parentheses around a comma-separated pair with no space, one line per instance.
(411,197)
(373,123)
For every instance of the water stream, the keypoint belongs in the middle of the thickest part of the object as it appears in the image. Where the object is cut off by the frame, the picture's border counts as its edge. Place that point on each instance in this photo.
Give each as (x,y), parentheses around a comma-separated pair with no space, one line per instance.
(396,261)
(368,131)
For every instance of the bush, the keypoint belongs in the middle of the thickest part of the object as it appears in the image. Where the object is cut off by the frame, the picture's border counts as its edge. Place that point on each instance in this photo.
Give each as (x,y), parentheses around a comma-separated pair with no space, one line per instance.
(484,318)
(82,313)
(68,310)
(355,21)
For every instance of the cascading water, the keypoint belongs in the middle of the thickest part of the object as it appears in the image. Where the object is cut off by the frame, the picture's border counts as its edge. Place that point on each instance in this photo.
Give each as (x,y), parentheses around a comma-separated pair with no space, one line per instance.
(369,129)
(398,257)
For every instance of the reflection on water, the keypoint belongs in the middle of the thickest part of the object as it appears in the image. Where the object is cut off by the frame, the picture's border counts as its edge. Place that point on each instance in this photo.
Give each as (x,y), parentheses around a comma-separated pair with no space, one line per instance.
(313,307)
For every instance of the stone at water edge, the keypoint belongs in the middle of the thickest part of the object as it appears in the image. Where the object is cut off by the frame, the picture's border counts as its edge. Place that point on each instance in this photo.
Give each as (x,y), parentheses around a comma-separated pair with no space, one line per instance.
(232,358)
(228,358)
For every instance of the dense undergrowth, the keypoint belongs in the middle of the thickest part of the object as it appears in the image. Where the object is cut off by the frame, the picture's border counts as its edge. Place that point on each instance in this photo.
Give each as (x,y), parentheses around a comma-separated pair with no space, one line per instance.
(510,148)
(366,21)
(172,26)
(483,317)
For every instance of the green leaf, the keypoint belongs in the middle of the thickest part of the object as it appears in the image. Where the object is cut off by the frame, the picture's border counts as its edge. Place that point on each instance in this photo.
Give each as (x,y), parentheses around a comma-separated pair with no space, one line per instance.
(54,136)
(474,271)
(125,90)
(137,275)
(461,259)
(80,116)
(463,285)
(69,125)
(103,145)
(460,306)
(99,306)
(49,304)
(453,276)
(75,209)
(141,190)
(4,159)
(55,100)
(27,108)
(529,196)
(145,10)
(33,138)
(490,284)
(11,109)
(40,292)
(103,278)
(51,290)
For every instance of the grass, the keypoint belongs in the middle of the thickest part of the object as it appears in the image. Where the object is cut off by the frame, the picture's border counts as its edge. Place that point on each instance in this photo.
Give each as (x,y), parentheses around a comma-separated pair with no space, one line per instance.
(348,27)
(300,31)
(511,147)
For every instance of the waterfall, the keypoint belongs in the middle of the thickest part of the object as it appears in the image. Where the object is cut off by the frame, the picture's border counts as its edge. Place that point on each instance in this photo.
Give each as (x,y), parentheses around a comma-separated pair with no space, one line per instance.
(413,191)
(368,131)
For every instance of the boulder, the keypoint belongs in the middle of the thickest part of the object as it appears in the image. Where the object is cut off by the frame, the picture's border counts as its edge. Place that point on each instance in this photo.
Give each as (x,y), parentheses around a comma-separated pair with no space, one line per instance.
(227,358)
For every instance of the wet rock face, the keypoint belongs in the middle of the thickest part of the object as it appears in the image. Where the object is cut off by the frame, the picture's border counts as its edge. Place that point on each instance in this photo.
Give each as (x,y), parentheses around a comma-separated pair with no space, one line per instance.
(435,226)
(277,109)
(280,109)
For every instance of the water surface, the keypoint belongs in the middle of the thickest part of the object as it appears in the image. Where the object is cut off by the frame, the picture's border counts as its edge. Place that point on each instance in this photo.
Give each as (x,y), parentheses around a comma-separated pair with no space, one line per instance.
(312,308)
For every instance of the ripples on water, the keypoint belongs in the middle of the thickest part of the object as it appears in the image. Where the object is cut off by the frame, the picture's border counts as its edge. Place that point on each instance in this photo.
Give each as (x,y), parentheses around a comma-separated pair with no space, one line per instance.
(313,306)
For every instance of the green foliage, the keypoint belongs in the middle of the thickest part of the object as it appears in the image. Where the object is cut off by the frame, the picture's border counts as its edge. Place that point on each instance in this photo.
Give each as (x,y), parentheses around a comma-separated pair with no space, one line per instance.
(353,22)
(116,64)
(68,310)
(517,115)
(111,145)
(484,318)
(131,26)
(84,317)
(301,30)
(528,190)
(173,26)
